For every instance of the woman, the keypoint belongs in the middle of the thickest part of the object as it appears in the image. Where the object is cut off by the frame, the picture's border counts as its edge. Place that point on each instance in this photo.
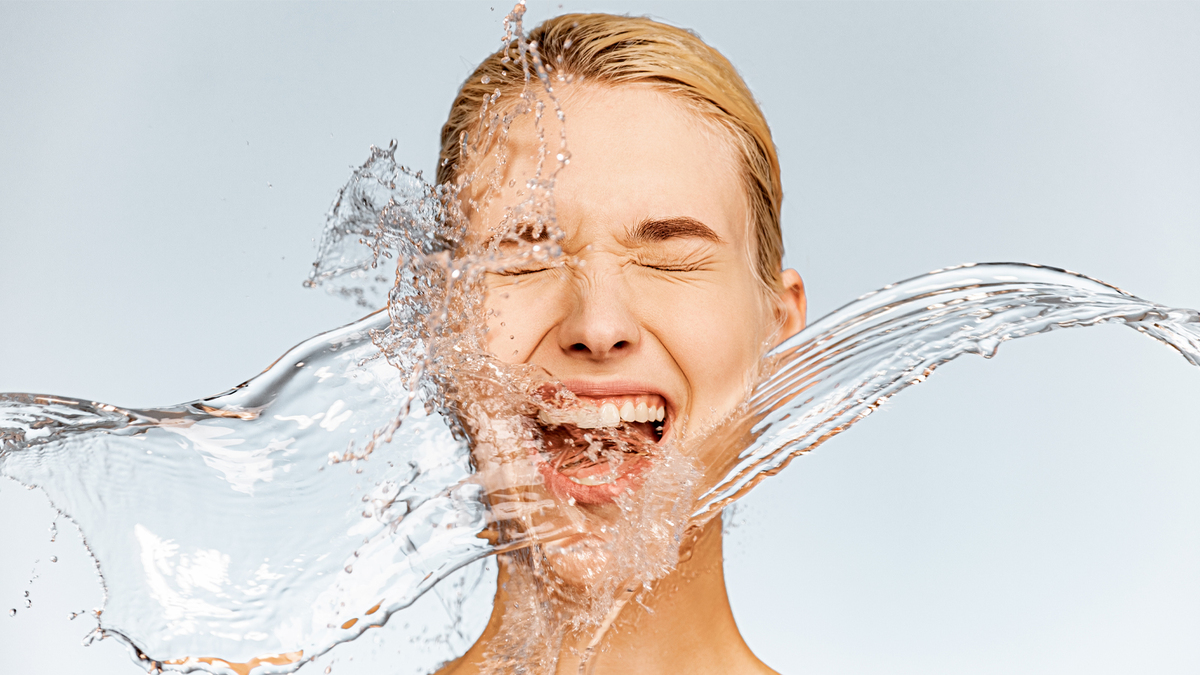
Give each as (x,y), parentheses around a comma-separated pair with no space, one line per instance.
(667,293)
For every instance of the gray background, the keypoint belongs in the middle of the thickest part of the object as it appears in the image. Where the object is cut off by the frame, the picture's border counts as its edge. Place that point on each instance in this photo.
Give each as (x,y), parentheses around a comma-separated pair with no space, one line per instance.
(164,169)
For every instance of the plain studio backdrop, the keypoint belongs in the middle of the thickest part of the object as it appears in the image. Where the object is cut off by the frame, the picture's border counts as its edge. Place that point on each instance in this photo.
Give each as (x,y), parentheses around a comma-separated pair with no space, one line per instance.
(165,168)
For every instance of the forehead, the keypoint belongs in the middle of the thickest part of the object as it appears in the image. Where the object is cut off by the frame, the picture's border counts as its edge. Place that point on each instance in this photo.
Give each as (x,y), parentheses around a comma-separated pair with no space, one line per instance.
(636,152)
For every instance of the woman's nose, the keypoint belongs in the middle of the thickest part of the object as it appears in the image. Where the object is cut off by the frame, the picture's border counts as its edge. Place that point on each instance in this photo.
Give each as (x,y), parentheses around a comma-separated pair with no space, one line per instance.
(599,326)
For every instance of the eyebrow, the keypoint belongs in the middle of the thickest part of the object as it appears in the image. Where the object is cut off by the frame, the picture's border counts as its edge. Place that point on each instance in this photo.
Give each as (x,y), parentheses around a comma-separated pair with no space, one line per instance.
(525,233)
(649,231)
(522,233)
(653,230)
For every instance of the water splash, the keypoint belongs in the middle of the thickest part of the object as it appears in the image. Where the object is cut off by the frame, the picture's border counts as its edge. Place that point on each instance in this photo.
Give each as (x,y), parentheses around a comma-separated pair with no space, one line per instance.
(220,527)
(254,530)
(333,549)
(847,364)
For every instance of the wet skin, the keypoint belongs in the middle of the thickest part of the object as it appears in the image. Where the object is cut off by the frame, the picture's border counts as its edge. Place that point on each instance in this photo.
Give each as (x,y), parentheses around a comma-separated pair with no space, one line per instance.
(658,294)
(656,297)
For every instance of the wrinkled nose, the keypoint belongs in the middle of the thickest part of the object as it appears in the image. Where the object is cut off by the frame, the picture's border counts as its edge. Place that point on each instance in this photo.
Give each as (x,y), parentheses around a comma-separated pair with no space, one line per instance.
(599,326)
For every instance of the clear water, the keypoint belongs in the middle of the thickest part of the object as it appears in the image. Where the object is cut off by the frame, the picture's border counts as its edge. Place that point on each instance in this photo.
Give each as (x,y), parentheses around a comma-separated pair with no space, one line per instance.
(246,526)
(255,530)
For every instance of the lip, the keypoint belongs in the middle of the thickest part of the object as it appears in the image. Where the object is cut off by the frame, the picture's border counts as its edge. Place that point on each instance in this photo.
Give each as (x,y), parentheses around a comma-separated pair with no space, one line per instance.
(629,473)
(627,480)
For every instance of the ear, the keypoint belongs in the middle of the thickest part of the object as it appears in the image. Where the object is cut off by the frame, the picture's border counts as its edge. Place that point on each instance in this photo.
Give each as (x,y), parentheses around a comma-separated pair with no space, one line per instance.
(793,305)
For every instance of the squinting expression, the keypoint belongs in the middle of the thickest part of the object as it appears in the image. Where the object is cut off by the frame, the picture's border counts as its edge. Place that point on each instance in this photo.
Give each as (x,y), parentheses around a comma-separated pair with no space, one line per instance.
(657,316)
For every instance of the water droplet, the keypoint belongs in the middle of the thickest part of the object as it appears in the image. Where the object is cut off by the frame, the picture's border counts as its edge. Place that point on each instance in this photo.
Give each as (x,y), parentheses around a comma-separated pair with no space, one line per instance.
(485,79)
(328,669)
(92,637)
(53,558)
(12,612)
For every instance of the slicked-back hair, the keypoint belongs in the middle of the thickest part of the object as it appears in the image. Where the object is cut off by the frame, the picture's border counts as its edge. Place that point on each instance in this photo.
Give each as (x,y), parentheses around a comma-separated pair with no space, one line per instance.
(612,50)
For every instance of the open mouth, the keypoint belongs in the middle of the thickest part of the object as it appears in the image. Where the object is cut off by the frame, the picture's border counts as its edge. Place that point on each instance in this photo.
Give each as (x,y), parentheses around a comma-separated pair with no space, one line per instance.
(594,449)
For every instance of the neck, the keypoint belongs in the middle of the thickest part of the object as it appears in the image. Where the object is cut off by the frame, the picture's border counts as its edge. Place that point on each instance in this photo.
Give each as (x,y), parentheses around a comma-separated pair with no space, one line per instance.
(683,624)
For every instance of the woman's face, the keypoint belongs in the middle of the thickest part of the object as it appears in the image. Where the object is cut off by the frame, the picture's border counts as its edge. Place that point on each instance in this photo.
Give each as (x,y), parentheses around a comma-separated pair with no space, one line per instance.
(653,318)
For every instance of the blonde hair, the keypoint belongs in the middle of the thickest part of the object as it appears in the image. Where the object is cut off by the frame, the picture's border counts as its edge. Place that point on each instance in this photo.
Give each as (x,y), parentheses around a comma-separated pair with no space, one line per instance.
(609,49)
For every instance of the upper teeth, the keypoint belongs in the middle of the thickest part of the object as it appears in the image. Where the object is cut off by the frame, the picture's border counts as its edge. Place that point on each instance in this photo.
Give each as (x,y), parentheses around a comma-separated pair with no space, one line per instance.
(607,415)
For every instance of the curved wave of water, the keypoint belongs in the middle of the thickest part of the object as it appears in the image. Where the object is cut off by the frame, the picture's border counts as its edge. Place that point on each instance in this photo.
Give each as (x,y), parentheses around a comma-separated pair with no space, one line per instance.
(844,366)
(221,527)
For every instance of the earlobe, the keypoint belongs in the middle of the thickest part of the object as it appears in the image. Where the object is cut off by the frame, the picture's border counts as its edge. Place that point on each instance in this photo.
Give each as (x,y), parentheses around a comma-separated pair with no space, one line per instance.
(793,304)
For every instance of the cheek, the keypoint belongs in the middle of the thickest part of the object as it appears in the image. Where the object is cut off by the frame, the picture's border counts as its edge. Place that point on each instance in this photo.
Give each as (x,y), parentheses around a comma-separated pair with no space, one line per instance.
(519,314)
(715,335)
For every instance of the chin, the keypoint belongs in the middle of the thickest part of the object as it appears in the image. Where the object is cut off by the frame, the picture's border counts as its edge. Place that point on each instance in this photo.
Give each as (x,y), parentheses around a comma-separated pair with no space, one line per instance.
(628,542)
(582,563)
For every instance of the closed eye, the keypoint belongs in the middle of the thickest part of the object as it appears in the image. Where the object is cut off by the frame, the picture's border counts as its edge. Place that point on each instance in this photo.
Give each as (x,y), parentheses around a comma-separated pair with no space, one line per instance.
(521,271)
(675,261)
(673,268)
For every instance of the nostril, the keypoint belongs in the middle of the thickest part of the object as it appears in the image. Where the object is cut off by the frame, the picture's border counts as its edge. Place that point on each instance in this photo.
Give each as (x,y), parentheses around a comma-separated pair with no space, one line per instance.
(579,347)
(621,345)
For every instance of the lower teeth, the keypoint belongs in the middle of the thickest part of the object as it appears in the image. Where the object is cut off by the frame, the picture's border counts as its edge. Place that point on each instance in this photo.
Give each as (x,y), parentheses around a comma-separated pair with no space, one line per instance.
(590,481)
